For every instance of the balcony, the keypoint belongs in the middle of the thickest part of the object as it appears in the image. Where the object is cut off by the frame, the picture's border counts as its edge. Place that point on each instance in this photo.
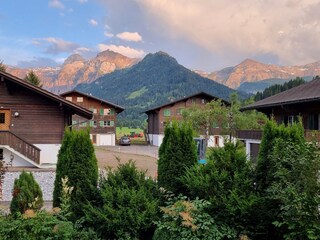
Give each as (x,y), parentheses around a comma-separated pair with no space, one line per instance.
(22,146)
(310,135)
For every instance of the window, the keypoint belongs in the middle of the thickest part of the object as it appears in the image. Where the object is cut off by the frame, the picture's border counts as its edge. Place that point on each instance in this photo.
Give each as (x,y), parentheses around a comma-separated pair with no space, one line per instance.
(2,118)
(106,123)
(112,111)
(69,99)
(74,122)
(104,111)
(93,110)
(203,101)
(166,112)
(79,99)
(291,120)
(93,123)
(83,124)
(179,111)
(193,100)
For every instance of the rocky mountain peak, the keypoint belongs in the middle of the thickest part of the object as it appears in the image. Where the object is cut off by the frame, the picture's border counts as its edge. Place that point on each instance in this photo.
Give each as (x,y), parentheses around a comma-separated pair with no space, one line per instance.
(74,58)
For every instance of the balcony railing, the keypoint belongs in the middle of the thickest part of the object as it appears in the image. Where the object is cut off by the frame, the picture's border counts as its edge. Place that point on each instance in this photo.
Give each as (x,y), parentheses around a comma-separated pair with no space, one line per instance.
(20,145)
(310,135)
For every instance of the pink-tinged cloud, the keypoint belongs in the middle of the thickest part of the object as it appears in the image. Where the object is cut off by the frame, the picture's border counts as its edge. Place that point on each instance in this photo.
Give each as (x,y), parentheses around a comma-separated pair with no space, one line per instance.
(124,50)
(56,4)
(93,22)
(130,36)
(56,45)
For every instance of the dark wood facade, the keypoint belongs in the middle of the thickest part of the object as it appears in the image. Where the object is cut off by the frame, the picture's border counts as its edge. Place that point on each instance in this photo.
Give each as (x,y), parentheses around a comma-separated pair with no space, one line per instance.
(158,117)
(104,113)
(30,115)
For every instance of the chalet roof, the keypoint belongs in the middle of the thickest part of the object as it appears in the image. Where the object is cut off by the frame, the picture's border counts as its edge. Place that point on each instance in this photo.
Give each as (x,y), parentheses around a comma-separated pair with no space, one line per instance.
(118,108)
(307,92)
(4,76)
(184,99)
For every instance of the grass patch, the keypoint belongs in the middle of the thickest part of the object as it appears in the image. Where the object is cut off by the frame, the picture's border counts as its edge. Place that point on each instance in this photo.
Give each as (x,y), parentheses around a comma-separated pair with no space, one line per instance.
(121,131)
(137,93)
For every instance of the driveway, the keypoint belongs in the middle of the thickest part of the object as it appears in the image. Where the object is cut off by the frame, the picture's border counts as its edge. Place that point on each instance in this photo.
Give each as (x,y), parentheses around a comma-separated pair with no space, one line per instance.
(145,157)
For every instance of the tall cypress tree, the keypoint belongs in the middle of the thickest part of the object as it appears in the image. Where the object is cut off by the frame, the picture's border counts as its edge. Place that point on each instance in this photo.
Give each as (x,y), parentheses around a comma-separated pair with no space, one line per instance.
(77,161)
(176,152)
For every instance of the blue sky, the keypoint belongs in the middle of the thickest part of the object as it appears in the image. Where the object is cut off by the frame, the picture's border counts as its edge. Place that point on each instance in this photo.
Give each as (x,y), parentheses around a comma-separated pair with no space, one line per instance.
(205,35)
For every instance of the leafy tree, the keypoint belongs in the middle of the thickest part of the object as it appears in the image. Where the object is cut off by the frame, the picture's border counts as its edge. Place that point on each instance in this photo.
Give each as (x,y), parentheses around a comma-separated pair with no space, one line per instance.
(177,151)
(128,204)
(226,181)
(26,194)
(77,162)
(3,67)
(32,78)
(229,119)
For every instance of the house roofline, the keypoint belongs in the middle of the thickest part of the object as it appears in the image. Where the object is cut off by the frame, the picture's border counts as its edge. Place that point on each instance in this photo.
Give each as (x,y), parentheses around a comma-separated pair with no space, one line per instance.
(77,109)
(183,99)
(119,109)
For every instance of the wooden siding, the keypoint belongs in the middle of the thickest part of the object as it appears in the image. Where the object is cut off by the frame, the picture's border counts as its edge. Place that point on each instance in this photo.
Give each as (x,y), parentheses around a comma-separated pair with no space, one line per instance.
(90,103)
(40,120)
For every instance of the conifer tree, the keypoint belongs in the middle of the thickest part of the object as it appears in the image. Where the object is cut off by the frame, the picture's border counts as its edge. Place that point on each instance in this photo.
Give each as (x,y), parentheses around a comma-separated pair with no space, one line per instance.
(32,78)
(77,161)
(26,194)
(176,152)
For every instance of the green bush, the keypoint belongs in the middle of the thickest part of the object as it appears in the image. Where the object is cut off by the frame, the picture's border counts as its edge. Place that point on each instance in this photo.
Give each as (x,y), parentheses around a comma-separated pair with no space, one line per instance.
(187,220)
(77,161)
(128,205)
(177,151)
(26,194)
(227,182)
(41,225)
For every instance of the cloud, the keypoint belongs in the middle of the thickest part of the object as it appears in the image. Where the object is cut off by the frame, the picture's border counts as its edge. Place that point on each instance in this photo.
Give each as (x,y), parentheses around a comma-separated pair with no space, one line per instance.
(82,1)
(37,62)
(124,50)
(108,34)
(56,4)
(130,36)
(290,29)
(93,22)
(56,45)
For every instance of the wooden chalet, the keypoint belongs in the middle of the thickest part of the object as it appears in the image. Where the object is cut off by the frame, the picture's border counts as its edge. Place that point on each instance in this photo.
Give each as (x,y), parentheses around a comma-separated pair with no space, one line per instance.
(103,124)
(286,107)
(32,122)
(159,116)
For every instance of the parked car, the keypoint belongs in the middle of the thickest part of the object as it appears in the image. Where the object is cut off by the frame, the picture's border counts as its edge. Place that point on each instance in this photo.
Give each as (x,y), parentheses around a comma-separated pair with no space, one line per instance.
(124,140)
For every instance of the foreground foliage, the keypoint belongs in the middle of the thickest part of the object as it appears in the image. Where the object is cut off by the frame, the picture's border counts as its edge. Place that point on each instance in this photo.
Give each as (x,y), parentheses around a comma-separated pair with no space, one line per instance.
(128,205)
(226,181)
(41,225)
(187,220)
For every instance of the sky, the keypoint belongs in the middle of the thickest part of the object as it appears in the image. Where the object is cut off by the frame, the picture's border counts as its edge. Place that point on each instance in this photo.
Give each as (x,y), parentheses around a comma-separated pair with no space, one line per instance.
(203,35)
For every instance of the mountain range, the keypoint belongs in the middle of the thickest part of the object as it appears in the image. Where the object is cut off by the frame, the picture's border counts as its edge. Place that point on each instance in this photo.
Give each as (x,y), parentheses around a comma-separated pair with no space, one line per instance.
(76,70)
(253,71)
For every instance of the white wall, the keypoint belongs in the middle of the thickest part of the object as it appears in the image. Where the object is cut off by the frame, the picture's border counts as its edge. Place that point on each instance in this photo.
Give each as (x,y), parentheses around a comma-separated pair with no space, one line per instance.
(17,160)
(156,139)
(49,153)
